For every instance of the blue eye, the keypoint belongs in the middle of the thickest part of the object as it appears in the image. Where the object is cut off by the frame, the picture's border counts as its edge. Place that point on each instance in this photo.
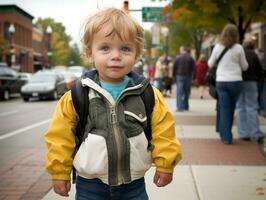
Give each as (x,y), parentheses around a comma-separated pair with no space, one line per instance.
(126,49)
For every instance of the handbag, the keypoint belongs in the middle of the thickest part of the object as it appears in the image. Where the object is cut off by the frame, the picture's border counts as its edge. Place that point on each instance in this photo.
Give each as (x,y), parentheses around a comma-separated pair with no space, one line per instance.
(211,75)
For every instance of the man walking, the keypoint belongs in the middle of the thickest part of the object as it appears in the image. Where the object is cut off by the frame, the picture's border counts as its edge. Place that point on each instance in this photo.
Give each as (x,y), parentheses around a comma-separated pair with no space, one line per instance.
(183,72)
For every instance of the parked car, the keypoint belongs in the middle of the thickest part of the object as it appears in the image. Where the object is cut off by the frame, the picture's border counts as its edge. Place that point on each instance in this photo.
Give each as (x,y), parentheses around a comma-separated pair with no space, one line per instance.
(10,82)
(44,85)
(77,70)
(25,76)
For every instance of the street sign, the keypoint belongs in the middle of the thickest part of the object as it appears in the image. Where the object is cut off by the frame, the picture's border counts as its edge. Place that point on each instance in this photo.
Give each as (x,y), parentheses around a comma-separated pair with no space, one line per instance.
(152,14)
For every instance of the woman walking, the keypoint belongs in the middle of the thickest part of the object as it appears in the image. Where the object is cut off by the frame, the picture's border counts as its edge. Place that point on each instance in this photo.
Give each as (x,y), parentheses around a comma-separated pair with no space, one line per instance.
(228,79)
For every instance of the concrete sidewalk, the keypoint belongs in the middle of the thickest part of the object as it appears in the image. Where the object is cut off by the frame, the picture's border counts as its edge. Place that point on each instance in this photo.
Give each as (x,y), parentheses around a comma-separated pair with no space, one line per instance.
(209,170)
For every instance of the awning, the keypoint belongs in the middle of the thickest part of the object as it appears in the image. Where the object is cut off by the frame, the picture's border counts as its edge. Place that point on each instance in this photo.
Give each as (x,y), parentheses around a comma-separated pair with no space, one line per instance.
(39,60)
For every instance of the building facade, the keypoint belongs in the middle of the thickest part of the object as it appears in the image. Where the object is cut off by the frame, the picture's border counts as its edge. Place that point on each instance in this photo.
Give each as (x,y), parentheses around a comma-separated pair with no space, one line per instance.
(27,48)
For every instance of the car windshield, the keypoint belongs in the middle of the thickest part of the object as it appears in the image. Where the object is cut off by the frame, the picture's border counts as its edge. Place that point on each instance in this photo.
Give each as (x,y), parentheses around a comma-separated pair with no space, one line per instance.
(42,78)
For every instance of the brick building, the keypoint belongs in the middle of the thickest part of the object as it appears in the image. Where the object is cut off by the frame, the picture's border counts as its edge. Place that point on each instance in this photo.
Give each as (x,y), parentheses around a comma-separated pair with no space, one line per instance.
(27,44)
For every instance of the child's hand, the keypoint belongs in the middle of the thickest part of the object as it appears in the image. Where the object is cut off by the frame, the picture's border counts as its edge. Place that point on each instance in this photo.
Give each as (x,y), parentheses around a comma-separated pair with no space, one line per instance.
(162,179)
(61,187)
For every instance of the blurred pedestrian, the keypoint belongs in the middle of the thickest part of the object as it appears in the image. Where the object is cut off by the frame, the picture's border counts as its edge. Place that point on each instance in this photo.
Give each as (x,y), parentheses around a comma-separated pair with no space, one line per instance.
(151,72)
(201,70)
(247,104)
(113,155)
(168,77)
(160,67)
(228,79)
(183,72)
(262,85)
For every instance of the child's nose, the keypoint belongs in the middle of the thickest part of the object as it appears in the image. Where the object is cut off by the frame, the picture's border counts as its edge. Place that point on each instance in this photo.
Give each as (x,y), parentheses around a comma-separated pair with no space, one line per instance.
(116,55)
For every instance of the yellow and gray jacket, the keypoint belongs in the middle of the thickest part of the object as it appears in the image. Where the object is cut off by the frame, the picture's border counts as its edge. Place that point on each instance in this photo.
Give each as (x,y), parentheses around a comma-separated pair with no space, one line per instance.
(114,148)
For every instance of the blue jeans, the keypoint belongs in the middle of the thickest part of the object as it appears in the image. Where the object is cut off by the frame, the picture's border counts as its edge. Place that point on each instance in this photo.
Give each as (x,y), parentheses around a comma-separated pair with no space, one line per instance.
(183,84)
(228,93)
(247,111)
(95,189)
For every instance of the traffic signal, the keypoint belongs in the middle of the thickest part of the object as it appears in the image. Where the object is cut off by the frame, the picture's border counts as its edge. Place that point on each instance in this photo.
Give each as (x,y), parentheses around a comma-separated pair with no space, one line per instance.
(125,6)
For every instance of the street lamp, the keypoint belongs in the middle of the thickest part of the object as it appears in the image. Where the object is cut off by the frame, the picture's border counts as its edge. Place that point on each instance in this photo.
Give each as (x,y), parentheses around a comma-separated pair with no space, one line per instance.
(49,52)
(11,31)
(165,31)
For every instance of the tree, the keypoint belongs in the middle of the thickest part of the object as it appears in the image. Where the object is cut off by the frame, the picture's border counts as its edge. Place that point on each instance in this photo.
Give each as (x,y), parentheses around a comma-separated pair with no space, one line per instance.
(184,30)
(216,13)
(59,41)
(60,50)
(75,56)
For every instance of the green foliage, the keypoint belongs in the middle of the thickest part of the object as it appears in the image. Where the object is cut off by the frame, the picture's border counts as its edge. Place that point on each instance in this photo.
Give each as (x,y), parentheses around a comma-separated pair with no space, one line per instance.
(75,56)
(60,50)
(212,15)
(59,41)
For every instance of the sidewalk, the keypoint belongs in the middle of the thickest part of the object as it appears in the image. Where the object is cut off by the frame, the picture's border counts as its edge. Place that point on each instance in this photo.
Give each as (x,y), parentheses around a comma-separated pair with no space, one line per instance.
(209,170)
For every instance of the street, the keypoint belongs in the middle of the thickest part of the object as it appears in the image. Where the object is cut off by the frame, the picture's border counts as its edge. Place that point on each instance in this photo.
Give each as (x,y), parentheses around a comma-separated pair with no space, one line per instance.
(23,122)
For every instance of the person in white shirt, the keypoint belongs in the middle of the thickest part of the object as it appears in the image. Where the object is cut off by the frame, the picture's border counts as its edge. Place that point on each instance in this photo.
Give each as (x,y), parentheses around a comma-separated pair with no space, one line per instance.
(228,79)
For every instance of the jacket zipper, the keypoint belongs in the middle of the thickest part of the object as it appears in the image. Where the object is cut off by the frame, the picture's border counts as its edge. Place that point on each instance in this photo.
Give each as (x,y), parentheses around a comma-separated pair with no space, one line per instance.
(118,142)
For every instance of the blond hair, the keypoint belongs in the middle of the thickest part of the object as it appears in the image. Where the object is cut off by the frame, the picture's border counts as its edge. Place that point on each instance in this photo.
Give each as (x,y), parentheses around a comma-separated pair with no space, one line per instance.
(122,24)
(229,35)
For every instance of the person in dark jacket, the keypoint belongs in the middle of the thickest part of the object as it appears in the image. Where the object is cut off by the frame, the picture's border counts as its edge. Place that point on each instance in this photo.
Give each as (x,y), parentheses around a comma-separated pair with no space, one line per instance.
(262,84)
(183,72)
(247,104)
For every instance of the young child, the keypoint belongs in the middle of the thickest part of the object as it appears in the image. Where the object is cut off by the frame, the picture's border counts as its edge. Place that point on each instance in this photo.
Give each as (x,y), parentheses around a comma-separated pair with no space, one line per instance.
(114,156)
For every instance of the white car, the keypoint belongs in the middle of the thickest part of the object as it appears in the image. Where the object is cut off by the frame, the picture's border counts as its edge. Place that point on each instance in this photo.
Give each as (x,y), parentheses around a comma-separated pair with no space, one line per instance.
(77,70)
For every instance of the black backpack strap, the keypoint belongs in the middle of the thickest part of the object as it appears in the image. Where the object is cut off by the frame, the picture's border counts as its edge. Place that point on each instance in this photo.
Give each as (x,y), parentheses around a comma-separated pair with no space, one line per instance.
(80,100)
(148,98)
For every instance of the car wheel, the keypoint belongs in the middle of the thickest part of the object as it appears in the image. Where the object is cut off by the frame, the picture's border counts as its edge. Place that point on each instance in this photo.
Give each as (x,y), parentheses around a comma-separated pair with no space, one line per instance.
(6,95)
(55,95)
(26,99)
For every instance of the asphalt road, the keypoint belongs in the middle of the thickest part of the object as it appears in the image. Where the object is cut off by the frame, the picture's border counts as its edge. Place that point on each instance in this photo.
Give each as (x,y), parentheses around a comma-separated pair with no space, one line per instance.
(22,126)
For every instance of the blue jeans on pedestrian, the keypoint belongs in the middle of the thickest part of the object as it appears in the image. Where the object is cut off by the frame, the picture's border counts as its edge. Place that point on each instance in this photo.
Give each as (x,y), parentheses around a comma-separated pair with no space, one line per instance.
(183,84)
(228,94)
(247,111)
(95,189)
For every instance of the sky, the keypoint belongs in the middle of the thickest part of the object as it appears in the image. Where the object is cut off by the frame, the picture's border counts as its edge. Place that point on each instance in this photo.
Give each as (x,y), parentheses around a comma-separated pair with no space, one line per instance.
(73,13)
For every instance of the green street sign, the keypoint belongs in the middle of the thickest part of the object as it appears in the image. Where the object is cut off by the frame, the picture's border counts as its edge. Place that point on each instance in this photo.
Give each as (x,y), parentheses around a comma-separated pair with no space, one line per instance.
(152,14)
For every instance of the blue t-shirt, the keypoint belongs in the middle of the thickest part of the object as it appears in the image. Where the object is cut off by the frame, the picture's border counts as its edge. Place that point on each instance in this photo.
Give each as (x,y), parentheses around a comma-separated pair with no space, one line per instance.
(115,89)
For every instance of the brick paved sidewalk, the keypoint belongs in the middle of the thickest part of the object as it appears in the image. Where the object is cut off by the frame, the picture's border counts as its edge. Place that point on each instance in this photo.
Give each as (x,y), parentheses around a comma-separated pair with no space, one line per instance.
(25,178)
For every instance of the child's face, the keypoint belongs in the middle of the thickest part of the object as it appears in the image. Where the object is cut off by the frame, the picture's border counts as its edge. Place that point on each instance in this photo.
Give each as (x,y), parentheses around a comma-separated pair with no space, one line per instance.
(112,57)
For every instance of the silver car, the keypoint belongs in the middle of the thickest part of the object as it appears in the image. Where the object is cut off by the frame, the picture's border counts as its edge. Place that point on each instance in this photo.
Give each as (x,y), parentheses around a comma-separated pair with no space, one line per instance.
(44,85)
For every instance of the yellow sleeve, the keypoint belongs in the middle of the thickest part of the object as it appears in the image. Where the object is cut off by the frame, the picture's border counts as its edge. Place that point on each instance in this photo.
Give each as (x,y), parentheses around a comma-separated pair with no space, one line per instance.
(166,149)
(60,139)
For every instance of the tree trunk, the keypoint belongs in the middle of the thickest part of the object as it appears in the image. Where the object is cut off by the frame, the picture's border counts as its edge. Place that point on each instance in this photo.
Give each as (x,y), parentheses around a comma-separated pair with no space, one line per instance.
(240,25)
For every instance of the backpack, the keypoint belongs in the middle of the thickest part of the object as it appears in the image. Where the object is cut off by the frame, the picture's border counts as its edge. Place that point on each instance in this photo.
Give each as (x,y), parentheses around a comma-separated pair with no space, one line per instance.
(79,96)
